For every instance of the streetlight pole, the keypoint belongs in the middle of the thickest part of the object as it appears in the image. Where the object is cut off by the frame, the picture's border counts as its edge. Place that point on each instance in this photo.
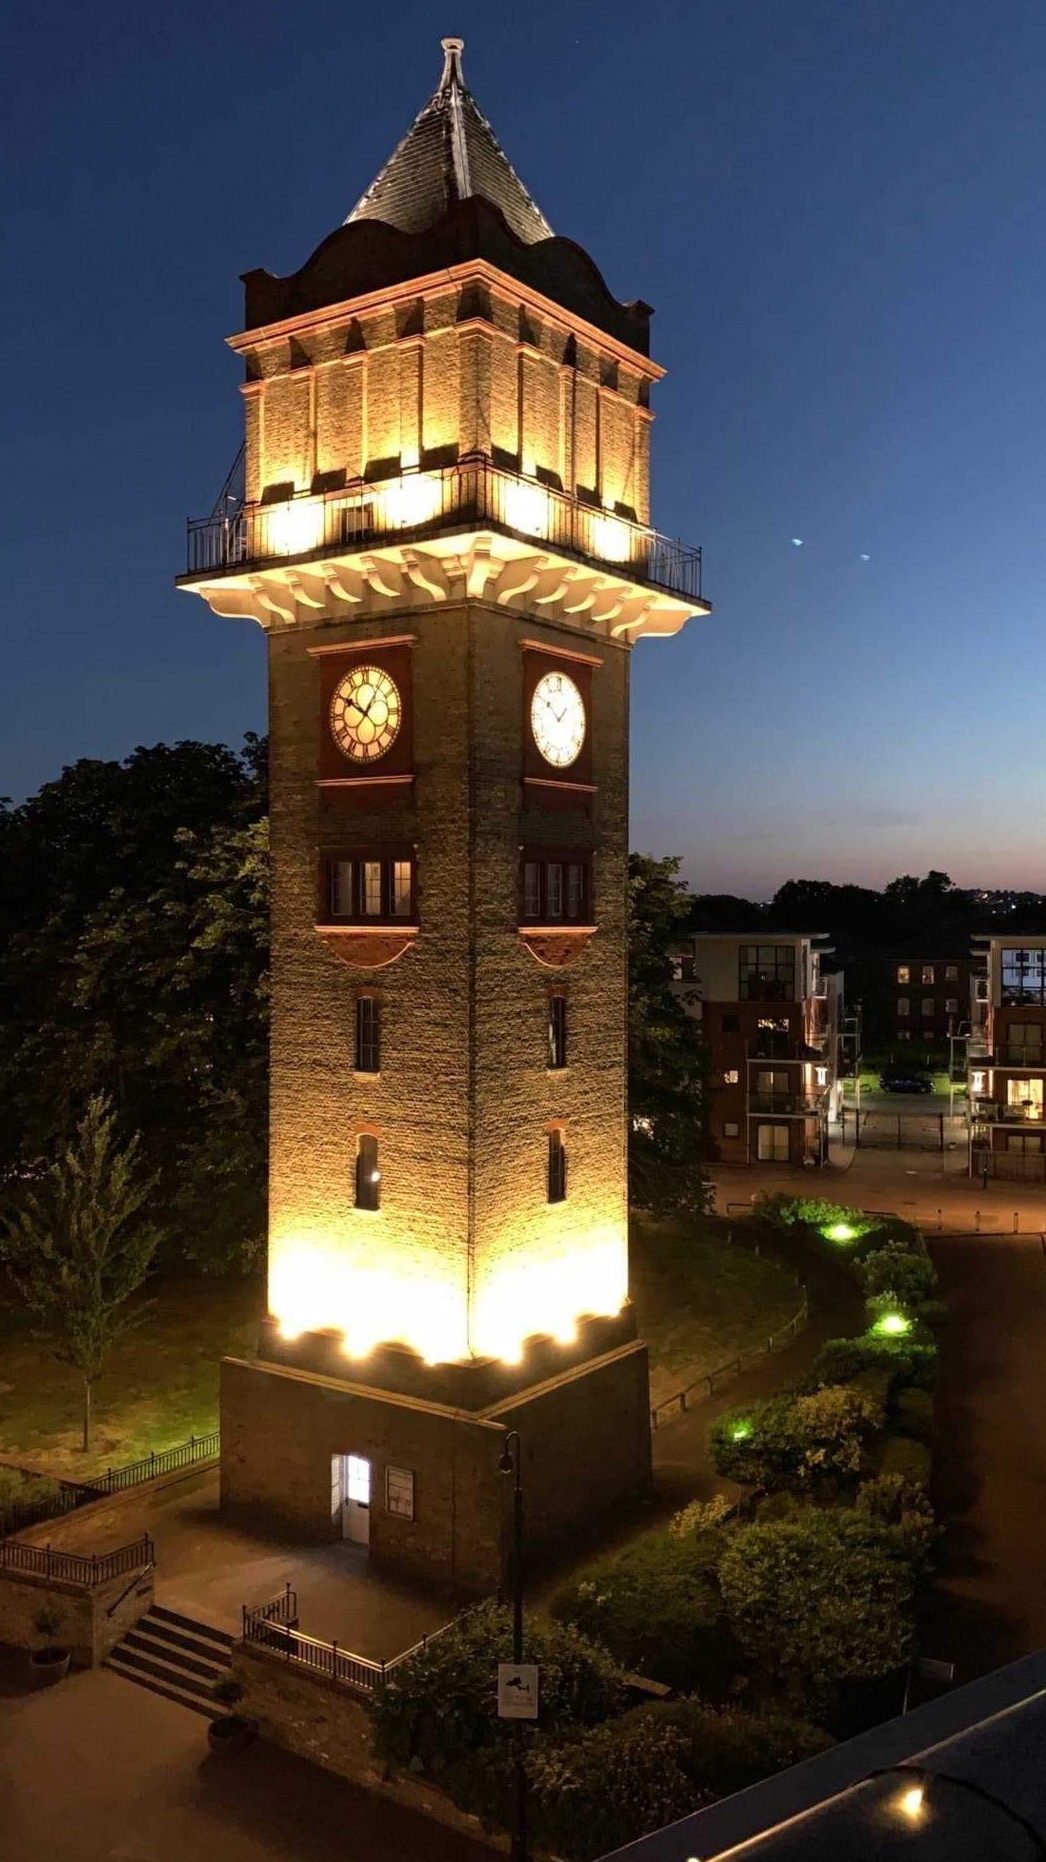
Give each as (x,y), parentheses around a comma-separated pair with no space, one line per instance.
(511,1462)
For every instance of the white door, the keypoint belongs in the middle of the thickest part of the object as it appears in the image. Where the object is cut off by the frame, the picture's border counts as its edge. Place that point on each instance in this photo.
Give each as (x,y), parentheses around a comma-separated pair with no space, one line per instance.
(355,1499)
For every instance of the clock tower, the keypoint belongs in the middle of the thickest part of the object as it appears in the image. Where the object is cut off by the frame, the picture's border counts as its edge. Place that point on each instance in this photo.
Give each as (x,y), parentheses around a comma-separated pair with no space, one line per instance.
(444,531)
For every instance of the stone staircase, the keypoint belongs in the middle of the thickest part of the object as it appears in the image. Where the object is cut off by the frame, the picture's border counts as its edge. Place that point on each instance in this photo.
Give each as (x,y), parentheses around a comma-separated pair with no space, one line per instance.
(175,1656)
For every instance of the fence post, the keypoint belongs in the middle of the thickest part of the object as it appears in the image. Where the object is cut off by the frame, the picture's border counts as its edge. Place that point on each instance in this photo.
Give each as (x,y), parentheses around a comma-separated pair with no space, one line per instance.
(940,1116)
(938,1221)
(977,1228)
(1016,1221)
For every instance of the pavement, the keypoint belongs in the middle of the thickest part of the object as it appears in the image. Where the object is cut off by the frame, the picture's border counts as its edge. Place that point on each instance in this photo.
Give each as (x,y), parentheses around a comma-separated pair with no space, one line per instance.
(97,1770)
(921,1186)
(989,1606)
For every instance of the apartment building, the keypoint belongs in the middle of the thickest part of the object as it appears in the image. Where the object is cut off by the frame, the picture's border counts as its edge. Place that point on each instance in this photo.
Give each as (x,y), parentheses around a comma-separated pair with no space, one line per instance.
(1007,1060)
(771,1014)
(917,999)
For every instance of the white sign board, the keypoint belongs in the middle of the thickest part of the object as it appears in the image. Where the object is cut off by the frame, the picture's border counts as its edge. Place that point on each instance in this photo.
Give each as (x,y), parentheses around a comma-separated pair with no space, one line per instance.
(517,1691)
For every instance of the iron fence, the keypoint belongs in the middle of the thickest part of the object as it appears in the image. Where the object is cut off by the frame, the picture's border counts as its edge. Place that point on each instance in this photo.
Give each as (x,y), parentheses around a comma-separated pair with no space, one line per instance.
(706,1386)
(87,1568)
(18,1515)
(424,504)
(274,1626)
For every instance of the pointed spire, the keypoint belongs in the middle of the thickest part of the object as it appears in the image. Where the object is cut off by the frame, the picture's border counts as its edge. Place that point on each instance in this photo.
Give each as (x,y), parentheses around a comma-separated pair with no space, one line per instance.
(450,153)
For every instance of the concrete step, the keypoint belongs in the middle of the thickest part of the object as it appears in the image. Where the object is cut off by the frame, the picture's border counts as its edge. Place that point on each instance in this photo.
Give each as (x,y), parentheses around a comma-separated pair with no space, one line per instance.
(202,1647)
(161,1671)
(160,1649)
(210,1709)
(205,1632)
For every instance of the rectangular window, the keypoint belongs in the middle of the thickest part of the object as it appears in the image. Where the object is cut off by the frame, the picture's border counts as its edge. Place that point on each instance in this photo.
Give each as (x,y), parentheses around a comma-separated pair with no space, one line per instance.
(731,1024)
(1024,977)
(399,1492)
(904,974)
(951,972)
(928,1008)
(1029,1142)
(951,1005)
(368,1176)
(1025,1098)
(927,973)
(767,973)
(903,1007)
(358,1482)
(554,882)
(557,1031)
(368,1035)
(1023,1043)
(555,890)
(532,889)
(772,1144)
(732,1077)
(576,891)
(731,1130)
(772,1041)
(402,888)
(341,888)
(372,888)
(557,1167)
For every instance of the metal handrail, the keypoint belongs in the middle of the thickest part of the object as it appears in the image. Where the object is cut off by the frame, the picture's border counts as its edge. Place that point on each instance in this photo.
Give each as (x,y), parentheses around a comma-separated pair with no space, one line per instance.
(423,504)
(86,1568)
(18,1515)
(269,1628)
(707,1385)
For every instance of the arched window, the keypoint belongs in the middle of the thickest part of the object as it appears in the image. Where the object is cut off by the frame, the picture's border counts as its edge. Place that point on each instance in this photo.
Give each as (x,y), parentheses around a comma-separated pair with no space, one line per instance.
(368,1176)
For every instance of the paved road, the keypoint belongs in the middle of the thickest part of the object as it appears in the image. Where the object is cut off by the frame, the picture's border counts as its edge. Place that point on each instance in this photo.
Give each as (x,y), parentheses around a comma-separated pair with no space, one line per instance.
(990,1462)
(912,1183)
(98,1770)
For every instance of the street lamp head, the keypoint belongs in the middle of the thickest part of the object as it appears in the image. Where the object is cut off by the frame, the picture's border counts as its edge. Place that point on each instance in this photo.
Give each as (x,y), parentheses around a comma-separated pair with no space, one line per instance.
(505,1461)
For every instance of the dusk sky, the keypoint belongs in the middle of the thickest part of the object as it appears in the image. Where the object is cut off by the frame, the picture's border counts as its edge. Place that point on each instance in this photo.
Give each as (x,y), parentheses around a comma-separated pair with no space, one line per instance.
(838,209)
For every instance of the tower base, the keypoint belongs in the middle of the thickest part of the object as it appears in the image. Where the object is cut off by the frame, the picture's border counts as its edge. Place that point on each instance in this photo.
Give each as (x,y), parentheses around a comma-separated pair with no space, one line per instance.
(438,1507)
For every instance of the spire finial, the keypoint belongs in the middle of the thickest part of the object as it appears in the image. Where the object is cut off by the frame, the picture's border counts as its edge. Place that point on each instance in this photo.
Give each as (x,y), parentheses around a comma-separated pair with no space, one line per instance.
(452,50)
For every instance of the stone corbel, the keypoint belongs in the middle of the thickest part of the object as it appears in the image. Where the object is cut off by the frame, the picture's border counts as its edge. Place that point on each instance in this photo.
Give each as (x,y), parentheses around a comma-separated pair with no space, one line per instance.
(581,594)
(551,585)
(632,614)
(383,577)
(303,589)
(266,594)
(518,577)
(480,568)
(341,581)
(425,573)
(233,603)
(608,604)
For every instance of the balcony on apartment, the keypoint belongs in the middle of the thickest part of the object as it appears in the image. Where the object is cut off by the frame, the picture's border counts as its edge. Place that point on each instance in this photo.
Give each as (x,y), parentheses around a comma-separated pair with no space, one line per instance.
(472,494)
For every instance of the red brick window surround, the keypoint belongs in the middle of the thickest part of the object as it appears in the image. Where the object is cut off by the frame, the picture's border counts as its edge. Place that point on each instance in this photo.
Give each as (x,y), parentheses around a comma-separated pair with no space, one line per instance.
(368,1174)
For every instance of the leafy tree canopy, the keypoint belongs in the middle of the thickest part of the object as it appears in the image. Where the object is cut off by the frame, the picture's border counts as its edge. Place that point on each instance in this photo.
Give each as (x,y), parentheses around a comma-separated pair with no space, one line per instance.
(667,1060)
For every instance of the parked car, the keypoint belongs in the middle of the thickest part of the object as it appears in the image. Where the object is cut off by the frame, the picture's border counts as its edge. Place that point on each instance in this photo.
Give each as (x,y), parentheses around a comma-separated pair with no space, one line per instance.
(897,1082)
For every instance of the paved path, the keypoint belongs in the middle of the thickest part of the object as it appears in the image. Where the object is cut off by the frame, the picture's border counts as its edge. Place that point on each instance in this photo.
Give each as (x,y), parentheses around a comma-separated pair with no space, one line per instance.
(990,1455)
(911,1183)
(97,1770)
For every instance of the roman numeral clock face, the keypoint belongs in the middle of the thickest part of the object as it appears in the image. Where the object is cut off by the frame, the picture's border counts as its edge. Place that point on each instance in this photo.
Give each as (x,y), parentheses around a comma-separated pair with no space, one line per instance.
(365,714)
(557,719)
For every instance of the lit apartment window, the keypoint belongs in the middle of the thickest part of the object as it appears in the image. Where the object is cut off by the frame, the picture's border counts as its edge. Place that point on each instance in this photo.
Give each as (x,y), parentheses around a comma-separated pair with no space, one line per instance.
(904,974)
(557,1031)
(928,1008)
(772,1086)
(1025,1097)
(368,1034)
(731,1129)
(951,972)
(368,1176)
(927,973)
(772,1144)
(732,1077)
(977,1083)
(903,1007)
(1024,977)
(951,1005)
(557,1167)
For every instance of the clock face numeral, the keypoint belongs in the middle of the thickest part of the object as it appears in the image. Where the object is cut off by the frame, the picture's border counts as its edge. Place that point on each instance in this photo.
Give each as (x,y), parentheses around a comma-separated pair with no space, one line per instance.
(365,714)
(557,719)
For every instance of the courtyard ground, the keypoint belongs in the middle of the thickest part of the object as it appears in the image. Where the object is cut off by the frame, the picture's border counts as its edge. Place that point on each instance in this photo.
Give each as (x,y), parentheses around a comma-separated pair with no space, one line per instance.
(97,1770)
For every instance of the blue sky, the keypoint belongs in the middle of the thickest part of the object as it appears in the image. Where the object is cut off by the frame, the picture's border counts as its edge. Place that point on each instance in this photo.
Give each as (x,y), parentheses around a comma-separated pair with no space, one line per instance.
(837,210)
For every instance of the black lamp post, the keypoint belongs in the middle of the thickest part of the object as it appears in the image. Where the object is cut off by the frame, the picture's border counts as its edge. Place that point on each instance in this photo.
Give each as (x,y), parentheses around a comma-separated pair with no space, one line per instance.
(511,1462)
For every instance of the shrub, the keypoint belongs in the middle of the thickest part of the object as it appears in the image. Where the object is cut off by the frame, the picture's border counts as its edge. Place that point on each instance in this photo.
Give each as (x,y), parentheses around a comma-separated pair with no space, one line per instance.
(908,1278)
(793,1441)
(787,1212)
(818,1600)
(899,1454)
(593,1794)
(700,1516)
(435,1709)
(912,1410)
(909,1361)
(227,1690)
(730,1748)
(900,1505)
(657,1608)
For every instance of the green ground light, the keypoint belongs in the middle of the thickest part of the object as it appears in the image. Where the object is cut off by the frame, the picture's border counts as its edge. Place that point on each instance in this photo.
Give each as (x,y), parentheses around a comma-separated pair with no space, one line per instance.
(840,1231)
(892,1325)
(740,1431)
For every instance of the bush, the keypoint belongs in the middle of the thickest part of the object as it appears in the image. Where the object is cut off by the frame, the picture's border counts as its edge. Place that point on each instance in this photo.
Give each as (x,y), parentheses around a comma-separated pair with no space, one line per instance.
(909,1361)
(819,1600)
(779,1210)
(899,1504)
(657,1608)
(730,1749)
(908,1278)
(593,1794)
(441,1705)
(912,1411)
(795,1441)
(899,1454)
(700,1516)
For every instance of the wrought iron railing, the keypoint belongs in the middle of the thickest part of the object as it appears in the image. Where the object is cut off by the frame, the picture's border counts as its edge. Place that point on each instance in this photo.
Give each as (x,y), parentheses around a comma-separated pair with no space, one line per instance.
(273,1626)
(422,504)
(18,1515)
(76,1567)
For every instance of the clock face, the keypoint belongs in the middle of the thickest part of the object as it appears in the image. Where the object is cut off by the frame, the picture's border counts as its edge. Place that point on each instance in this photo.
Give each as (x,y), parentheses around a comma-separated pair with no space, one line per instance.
(557,719)
(365,714)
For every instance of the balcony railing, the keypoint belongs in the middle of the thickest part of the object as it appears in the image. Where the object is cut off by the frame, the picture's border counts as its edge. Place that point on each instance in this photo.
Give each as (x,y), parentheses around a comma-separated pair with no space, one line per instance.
(426,504)
(990,1112)
(1009,1055)
(785,1105)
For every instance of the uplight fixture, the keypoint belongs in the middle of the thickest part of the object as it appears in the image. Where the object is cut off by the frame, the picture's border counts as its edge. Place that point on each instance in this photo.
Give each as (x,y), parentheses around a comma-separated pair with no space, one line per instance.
(892,1325)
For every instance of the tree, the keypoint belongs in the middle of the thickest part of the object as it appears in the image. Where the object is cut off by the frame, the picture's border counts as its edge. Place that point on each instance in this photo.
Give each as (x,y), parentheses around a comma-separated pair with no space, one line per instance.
(667,1060)
(78,1247)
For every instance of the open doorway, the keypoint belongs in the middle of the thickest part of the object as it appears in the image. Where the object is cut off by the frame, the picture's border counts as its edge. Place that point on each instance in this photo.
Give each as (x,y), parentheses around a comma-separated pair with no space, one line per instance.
(350,1497)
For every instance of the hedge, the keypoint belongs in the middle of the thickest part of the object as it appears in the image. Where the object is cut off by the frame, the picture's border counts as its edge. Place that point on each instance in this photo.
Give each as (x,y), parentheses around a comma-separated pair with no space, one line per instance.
(796,1441)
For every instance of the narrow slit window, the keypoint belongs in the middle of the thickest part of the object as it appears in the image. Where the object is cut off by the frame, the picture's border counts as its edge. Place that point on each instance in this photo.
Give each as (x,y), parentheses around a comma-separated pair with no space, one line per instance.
(368,1176)
(372,888)
(575,891)
(557,1167)
(368,1034)
(401,888)
(557,1031)
(532,889)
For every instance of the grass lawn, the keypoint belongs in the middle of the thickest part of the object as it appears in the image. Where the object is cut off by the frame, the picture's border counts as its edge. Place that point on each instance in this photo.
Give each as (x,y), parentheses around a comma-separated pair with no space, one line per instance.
(700,1302)
(160,1386)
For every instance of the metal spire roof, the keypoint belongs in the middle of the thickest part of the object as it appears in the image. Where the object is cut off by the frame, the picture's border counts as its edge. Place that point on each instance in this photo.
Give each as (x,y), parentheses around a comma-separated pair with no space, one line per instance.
(449,153)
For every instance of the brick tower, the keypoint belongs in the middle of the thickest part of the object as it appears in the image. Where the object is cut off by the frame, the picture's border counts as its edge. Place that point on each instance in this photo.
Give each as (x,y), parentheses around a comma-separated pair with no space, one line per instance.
(445,535)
